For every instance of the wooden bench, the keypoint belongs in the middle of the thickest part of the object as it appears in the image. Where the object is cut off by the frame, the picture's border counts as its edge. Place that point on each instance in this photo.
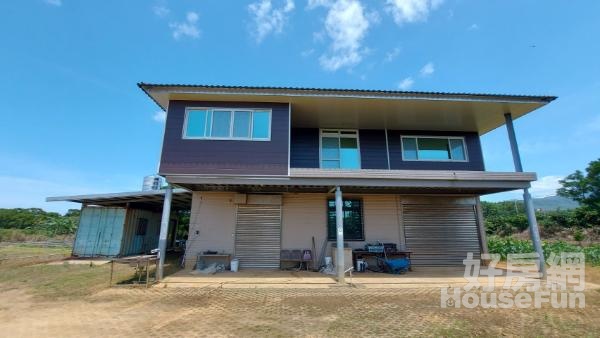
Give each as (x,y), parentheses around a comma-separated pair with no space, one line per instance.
(296,255)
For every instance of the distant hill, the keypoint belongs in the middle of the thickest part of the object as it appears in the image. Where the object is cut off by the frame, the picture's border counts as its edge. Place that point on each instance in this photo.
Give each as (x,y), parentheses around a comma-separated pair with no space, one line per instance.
(554,202)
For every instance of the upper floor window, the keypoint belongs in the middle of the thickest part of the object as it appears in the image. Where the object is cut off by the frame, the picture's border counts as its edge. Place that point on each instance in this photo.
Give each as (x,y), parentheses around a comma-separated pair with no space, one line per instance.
(339,149)
(227,124)
(433,148)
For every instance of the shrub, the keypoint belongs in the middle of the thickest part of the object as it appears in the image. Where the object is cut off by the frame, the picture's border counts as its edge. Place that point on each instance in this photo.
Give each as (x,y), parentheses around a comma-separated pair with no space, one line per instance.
(508,245)
(578,235)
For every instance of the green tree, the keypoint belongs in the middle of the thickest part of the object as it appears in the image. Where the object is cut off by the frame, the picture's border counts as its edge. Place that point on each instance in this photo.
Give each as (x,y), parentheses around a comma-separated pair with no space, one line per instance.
(584,189)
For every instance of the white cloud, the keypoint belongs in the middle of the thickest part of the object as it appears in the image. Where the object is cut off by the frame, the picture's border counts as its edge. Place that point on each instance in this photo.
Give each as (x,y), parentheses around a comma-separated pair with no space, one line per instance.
(391,55)
(346,25)
(407,11)
(307,52)
(428,69)
(312,4)
(188,28)
(56,3)
(406,84)
(161,10)
(160,116)
(474,27)
(267,20)
(545,186)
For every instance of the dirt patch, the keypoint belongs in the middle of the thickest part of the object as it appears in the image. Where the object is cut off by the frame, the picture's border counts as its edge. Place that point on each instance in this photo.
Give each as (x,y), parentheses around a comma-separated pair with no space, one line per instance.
(281,312)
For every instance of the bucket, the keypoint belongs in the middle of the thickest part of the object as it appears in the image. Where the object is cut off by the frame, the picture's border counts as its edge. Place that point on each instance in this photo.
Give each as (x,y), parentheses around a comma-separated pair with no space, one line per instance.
(360,265)
(235,263)
(328,261)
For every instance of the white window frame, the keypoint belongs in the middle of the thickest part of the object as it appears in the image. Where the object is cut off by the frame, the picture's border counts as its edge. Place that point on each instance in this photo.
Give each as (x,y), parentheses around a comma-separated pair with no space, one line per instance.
(462,138)
(333,132)
(208,124)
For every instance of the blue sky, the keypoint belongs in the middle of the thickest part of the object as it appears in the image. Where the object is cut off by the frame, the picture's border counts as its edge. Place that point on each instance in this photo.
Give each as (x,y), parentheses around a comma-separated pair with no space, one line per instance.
(73,121)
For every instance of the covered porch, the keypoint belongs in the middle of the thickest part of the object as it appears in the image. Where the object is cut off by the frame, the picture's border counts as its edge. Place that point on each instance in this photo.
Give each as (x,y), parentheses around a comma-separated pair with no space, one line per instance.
(422,277)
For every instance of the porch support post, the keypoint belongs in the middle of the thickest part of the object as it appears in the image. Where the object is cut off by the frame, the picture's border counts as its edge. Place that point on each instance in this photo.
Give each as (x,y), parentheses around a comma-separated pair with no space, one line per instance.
(534,231)
(164,230)
(339,225)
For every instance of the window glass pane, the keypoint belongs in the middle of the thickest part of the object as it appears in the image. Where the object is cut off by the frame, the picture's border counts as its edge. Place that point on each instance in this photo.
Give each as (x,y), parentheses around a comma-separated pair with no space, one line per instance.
(433,149)
(241,124)
(221,123)
(261,124)
(330,148)
(196,123)
(457,149)
(353,220)
(349,156)
(329,164)
(409,146)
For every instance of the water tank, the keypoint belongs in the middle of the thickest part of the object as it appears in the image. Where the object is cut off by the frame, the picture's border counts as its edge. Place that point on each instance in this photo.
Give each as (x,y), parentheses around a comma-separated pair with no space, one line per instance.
(152,182)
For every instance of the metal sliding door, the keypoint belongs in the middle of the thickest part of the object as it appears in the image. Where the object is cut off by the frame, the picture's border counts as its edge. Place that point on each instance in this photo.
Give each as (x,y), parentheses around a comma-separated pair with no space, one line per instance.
(258,236)
(441,234)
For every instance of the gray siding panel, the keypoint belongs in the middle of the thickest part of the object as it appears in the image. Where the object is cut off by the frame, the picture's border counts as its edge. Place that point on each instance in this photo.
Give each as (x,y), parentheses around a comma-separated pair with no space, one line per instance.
(304,149)
(373,152)
(475,155)
(180,156)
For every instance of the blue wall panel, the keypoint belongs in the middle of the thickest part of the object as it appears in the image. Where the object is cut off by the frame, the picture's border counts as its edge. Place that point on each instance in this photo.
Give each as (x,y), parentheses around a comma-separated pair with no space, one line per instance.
(100,232)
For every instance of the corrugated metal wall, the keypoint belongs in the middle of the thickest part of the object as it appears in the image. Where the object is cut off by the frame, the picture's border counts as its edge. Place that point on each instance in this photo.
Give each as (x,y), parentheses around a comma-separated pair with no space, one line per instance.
(133,244)
(441,234)
(258,236)
(100,232)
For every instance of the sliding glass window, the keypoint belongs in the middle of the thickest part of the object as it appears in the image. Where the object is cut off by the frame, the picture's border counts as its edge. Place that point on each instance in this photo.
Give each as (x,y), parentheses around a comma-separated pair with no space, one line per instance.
(227,124)
(339,149)
(429,148)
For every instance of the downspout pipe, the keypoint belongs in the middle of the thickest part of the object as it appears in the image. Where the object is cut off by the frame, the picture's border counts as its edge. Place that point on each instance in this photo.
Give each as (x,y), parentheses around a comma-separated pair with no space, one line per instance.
(164,230)
(339,225)
(534,231)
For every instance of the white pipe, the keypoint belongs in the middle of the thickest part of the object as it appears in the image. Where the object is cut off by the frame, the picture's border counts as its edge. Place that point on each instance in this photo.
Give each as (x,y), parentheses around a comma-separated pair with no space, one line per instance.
(339,225)
(164,229)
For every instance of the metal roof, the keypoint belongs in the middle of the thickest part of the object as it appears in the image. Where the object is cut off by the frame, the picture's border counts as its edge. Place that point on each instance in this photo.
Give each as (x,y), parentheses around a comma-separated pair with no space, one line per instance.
(365,108)
(542,98)
(355,92)
(182,199)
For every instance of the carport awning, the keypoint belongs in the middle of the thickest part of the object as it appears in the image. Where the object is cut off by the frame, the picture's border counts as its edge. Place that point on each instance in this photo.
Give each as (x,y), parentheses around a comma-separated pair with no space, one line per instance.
(182,199)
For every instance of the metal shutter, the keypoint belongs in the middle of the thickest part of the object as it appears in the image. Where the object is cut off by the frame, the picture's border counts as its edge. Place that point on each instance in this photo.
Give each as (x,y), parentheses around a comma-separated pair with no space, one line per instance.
(440,235)
(258,236)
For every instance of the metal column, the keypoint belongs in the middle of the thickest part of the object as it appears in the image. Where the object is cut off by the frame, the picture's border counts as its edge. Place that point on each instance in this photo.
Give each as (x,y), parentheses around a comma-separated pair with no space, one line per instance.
(164,229)
(339,225)
(534,232)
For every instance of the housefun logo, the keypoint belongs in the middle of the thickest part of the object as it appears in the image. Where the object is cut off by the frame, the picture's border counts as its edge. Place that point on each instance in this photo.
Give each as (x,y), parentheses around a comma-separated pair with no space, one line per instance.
(523,286)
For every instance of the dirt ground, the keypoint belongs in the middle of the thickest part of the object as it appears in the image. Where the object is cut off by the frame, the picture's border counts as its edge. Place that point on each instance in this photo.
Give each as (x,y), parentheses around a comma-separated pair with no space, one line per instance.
(280,313)
(74,301)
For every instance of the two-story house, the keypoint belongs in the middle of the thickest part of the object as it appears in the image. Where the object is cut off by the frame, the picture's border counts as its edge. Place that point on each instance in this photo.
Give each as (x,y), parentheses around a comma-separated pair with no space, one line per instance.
(265,166)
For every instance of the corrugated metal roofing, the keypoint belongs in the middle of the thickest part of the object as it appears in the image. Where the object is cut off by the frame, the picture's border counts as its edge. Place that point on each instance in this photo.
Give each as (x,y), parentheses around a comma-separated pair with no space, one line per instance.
(371,92)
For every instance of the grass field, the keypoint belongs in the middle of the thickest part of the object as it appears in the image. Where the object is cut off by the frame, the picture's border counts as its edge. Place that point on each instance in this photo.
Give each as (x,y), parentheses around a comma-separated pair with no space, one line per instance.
(75,301)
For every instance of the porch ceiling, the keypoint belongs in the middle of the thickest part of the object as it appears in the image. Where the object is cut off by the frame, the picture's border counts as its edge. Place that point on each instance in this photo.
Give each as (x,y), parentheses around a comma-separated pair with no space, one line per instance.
(364,181)
(367,109)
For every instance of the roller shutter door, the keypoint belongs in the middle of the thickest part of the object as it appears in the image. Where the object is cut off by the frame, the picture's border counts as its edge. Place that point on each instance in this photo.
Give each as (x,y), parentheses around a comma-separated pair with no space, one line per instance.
(258,236)
(440,235)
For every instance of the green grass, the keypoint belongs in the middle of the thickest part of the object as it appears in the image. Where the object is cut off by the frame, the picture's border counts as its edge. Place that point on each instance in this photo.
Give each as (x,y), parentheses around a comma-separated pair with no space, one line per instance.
(60,281)
(30,250)
(68,281)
